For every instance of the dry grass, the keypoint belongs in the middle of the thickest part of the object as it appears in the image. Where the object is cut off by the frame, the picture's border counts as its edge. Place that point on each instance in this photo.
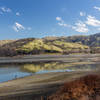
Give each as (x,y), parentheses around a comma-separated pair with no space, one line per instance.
(85,88)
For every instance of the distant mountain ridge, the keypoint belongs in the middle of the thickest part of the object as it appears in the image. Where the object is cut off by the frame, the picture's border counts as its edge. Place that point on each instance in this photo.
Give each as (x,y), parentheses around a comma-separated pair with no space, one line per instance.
(91,40)
(63,45)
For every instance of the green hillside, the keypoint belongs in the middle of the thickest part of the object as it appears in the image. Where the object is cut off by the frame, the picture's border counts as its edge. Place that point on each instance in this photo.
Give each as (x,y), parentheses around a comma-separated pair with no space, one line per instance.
(40,46)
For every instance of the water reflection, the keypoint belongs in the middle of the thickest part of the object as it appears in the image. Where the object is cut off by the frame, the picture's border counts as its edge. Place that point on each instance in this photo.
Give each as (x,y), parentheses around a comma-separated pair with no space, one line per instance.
(12,71)
(59,67)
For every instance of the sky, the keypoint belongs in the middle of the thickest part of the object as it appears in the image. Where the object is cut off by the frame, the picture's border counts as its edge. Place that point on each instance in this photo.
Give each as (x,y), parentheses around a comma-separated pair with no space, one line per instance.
(41,18)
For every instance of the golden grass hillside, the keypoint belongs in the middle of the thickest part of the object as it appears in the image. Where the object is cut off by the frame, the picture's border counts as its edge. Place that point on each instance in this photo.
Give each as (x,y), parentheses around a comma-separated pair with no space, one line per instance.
(40,46)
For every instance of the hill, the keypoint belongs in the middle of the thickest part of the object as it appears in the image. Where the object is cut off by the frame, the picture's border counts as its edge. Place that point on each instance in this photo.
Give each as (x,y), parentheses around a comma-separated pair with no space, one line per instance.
(48,45)
(91,40)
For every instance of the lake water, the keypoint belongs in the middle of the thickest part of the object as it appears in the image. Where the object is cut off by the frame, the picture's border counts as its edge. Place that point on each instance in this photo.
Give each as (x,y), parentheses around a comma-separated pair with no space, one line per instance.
(9,72)
(13,71)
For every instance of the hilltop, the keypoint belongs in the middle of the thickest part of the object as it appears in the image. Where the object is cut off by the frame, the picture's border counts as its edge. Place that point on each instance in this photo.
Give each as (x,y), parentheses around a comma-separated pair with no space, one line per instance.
(50,45)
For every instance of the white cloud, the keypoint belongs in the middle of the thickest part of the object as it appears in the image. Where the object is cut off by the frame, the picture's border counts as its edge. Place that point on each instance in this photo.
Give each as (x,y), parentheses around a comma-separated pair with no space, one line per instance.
(17,27)
(5,10)
(82,13)
(17,14)
(92,21)
(61,22)
(59,19)
(80,27)
(97,8)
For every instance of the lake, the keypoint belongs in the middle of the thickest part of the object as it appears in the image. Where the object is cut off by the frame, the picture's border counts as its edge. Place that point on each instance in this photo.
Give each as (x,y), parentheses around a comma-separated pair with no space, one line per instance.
(13,71)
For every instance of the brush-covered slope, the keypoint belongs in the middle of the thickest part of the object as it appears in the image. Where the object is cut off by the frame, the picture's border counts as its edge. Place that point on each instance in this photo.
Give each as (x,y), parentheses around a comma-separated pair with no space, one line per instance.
(72,44)
(85,88)
(40,46)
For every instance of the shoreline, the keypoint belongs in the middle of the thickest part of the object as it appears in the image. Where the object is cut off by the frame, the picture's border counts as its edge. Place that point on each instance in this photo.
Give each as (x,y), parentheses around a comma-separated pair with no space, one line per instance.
(37,84)
(44,58)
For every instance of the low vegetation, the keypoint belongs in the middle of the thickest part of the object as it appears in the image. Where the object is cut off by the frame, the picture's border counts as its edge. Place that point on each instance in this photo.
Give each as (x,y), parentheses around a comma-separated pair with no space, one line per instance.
(85,88)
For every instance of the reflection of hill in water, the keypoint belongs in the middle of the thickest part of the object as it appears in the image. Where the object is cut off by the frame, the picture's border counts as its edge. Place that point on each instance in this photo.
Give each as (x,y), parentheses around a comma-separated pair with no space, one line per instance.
(50,66)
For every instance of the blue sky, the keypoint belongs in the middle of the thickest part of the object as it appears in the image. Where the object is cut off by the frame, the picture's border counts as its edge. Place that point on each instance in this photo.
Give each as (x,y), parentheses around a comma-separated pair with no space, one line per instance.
(40,18)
